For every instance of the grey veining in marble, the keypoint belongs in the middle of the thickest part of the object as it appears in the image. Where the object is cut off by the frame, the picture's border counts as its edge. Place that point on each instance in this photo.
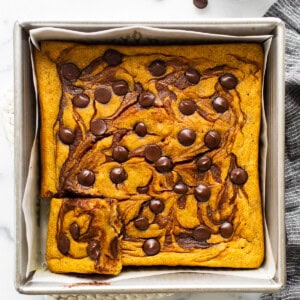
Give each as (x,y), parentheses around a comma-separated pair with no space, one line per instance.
(7,234)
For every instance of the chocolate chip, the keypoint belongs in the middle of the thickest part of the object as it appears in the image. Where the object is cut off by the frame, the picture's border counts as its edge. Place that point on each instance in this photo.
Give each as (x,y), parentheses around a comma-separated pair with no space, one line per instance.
(93,250)
(152,153)
(120,87)
(201,233)
(202,193)
(146,99)
(120,154)
(142,189)
(75,231)
(70,71)
(141,223)
(81,100)
(140,129)
(203,163)
(102,95)
(192,75)
(157,68)
(156,206)
(228,81)
(112,57)
(212,139)
(238,176)
(63,244)
(226,229)
(66,135)
(98,127)
(86,177)
(220,104)
(164,164)
(186,137)
(151,247)
(180,188)
(114,247)
(200,3)
(187,107)
(118,175)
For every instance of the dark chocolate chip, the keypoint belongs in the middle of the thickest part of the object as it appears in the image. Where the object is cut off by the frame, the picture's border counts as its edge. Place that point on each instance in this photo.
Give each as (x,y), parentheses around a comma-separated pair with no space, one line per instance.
(120,87)
(156,206)
(146,99)
(86,177)
(226,229)
(81,100)
(98,127)
(152,153)
(140,129)
(75,231)
(63,244)
(192,75)
(66,135)
(120,154)
(212,139)
(186,137)
(187,107)
(164,164)
(102,95)
(180,188)
(151,247)
(200,3)
(141,223)
(114,247)
(112,57)
(157,68)
(142,189)
(238,176)
(202,193)
(70,71)
(93,250)
(118,175)
(203,163)
(228,81)
(201,233)
(220,104)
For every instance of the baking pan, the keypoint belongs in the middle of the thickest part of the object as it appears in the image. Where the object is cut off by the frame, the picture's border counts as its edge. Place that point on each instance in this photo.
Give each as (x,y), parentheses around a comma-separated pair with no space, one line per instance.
(25,127)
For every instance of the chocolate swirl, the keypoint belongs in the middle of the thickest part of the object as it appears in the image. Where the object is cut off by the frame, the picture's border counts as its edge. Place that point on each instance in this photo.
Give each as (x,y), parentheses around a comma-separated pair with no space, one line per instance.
(166,174)
(87,223)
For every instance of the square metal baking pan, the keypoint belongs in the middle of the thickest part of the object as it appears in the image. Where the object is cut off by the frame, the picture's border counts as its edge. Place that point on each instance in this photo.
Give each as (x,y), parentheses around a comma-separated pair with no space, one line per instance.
(25,119)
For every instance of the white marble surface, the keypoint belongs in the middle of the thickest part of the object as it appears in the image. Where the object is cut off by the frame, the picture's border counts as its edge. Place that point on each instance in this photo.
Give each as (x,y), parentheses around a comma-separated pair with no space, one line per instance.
(92,10)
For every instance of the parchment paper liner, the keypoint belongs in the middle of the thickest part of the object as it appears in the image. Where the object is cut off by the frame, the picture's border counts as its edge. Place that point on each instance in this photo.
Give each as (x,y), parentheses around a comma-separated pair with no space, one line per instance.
(36,231)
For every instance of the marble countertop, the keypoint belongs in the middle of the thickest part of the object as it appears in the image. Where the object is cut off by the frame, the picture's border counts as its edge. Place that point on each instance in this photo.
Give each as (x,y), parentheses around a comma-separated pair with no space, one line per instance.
(93,10)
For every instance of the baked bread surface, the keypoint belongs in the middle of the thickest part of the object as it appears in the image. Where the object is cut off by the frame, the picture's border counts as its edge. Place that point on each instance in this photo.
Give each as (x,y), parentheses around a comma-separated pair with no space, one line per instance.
(170,133)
